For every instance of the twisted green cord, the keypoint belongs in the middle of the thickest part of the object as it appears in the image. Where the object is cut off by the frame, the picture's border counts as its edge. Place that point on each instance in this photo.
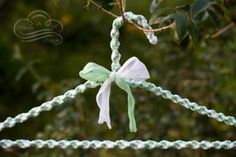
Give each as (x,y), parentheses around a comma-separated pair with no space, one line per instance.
(115,44)
(121,144)
(46,106)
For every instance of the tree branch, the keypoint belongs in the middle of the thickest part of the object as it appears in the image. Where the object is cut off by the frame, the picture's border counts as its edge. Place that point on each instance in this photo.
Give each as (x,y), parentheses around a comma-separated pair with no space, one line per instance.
(102,9)
(218,33)
(153,30)
(132,23)
(121,8)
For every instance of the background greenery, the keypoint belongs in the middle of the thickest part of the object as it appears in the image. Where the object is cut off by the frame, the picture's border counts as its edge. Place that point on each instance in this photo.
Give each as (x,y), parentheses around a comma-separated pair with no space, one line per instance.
(186,61)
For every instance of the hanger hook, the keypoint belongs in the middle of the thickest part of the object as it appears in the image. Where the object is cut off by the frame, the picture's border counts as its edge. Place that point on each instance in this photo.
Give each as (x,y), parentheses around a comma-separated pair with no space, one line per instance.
(115,44)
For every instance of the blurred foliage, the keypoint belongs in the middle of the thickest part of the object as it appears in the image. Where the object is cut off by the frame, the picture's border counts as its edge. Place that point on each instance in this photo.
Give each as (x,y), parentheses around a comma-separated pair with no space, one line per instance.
(190,17)
(187,61)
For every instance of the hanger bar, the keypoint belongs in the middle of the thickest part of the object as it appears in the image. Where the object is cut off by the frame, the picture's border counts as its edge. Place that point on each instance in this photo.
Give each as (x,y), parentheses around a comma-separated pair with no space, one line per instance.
(46,106)
(120,144)
(186,103)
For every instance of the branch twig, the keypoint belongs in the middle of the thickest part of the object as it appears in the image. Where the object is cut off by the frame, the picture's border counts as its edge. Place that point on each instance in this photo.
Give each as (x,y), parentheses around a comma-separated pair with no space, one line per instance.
(223,30)
(134,24)
(32,70)
(153,30)
(102,9)
(121,7)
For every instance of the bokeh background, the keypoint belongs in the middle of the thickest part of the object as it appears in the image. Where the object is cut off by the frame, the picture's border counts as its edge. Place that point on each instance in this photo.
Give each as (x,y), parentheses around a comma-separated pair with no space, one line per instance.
(32,73)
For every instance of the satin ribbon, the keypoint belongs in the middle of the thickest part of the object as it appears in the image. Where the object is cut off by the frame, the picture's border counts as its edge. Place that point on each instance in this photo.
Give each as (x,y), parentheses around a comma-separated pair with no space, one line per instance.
(132,69)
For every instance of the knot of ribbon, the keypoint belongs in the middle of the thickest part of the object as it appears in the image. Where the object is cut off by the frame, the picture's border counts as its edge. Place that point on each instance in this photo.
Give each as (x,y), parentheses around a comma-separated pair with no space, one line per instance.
(132,69)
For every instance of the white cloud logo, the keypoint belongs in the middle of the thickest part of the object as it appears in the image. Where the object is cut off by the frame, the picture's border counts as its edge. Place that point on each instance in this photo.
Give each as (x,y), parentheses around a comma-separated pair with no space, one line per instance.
(39,26)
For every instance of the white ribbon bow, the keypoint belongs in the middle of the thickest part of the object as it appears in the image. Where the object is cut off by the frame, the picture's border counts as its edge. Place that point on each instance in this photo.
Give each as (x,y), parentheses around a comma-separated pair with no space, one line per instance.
(133,69)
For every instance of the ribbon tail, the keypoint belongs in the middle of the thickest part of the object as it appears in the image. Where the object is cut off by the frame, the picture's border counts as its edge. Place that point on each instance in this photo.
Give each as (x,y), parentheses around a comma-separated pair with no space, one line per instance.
(102,99)
(131,103)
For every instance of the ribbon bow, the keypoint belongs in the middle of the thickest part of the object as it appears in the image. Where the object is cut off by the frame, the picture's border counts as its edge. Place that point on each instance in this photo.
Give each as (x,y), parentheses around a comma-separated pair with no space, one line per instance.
(133,69)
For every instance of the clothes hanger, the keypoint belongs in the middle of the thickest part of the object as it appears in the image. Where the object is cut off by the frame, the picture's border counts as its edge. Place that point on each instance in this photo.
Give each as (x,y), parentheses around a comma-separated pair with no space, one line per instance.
(118,71)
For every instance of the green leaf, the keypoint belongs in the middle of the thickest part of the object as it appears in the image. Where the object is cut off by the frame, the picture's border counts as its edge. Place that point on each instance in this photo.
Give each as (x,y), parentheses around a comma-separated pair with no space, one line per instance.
(167,19)
(184,7)
(25,69)
(154,5)
(213,17)
(193,31)
(161,15)
(225,11)
(21,73)
(181,23)
(107,4)
(199,6)
(36,86)
(185,42)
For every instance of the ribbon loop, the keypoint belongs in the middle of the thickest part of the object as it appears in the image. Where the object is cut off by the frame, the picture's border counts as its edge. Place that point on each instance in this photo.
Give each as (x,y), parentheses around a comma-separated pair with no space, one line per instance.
(94,72)
(133,69)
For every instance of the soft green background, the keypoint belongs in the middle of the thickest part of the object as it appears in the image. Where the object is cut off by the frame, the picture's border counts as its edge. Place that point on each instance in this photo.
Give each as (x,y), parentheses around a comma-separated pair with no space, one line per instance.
(205,73)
